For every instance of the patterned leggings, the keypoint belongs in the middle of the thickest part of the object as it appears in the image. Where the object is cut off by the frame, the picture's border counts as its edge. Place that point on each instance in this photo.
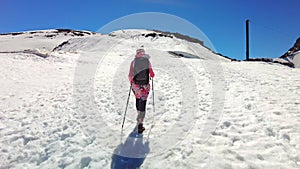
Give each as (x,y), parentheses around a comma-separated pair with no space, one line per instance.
(141,93)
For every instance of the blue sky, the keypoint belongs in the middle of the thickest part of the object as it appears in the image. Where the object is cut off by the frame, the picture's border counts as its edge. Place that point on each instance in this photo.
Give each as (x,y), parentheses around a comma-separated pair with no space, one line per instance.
(274,24)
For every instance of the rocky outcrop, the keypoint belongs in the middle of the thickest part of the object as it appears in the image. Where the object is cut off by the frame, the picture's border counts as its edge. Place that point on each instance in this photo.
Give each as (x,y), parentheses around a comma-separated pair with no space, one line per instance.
(292,50)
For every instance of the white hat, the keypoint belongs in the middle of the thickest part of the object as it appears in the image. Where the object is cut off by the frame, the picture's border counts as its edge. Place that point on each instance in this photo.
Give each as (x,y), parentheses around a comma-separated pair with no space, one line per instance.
(140,50)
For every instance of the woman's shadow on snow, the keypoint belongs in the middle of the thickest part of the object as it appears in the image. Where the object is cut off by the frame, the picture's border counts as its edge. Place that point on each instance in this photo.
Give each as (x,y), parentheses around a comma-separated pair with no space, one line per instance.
(130,154)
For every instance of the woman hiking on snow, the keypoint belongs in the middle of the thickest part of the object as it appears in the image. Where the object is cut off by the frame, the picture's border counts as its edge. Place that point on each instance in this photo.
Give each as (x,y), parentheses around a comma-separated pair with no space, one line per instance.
(140,69)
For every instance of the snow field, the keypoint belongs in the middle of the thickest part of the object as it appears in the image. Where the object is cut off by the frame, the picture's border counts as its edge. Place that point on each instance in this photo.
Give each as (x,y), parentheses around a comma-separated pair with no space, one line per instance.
(65,111)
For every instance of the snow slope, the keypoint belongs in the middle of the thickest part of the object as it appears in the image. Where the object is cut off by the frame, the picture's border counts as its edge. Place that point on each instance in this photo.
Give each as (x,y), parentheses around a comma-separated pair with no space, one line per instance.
(66,110)
(296,60)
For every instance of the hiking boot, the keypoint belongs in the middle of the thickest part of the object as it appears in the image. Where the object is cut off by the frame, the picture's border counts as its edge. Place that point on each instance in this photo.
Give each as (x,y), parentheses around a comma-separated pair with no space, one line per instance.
(141,128)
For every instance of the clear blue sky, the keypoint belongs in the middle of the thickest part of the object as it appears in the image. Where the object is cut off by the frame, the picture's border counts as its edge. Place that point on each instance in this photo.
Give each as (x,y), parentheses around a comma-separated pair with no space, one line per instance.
(274,24)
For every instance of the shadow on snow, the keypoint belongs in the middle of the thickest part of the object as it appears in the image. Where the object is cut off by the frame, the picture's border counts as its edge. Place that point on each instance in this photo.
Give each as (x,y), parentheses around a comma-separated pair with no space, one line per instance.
(130,154)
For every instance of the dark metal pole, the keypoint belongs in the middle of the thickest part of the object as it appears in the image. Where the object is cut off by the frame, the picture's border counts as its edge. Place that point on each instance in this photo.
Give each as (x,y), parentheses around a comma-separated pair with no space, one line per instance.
(247,40)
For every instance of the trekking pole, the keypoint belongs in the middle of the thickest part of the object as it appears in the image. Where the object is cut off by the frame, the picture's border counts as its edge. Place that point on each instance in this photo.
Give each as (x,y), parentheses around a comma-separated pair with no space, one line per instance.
(126,106)
(153,97)
(152,125)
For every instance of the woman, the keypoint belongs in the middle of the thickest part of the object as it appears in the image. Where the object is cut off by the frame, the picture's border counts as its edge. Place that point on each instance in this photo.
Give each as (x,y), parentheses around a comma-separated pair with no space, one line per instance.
(140,69)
